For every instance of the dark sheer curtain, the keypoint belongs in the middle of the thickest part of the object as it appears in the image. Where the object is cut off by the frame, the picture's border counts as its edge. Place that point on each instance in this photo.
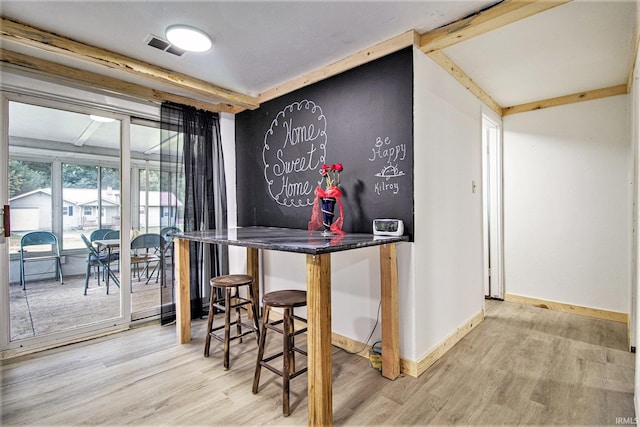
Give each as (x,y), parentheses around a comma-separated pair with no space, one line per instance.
(192,177)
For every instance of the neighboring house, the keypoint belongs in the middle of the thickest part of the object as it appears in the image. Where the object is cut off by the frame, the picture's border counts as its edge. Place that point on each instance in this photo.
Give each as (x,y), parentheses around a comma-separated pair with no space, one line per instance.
(82,210)
(162,207)
(32,210)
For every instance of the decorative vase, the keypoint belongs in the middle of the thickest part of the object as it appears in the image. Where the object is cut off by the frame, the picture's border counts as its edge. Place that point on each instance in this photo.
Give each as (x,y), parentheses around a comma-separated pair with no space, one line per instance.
(327,205)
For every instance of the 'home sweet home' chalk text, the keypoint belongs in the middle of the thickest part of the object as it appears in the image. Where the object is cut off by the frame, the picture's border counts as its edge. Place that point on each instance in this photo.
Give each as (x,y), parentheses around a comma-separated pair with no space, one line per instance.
(293,152)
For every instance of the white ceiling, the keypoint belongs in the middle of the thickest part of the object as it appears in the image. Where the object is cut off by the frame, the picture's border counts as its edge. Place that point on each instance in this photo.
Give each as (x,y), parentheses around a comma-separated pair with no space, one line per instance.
(259,45)
(576,47)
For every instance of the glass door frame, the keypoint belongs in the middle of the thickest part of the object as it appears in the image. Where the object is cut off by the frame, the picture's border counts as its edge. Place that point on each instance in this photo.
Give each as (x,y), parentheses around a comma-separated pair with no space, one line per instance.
(9,348)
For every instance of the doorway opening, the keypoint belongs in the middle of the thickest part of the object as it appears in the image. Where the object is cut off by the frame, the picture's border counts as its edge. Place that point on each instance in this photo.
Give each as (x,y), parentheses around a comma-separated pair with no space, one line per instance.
(492,208)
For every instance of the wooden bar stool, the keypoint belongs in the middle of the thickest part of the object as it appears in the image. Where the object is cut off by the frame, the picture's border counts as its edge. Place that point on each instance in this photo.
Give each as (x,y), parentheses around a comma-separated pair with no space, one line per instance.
(287,300)
(226,304)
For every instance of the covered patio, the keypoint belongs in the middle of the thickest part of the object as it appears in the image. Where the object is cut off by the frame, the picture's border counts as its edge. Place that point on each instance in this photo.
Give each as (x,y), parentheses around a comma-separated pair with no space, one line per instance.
(46,306)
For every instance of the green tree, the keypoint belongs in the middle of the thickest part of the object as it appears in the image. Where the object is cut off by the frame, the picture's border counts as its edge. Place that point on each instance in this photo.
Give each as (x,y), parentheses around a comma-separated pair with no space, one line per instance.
(154,180)
(28,176)
(78,176)
(110,178)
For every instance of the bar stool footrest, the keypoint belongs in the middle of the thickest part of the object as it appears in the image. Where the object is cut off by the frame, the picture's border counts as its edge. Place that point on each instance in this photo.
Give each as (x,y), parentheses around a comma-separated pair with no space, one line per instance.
(242,302)
(231,338)
(271,325)
(275,356)
(279,372)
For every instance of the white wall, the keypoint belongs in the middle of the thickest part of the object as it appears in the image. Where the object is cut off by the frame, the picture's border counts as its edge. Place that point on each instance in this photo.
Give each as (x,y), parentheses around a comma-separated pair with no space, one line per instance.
(566,204)
(448,250)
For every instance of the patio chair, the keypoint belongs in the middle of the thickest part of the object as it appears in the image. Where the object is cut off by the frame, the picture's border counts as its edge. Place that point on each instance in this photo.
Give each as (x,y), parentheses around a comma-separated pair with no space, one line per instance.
(147,249)
(99,234)
(168,246)
(168,251)
(168,230)
(39,238)
(112,235)
(94,259)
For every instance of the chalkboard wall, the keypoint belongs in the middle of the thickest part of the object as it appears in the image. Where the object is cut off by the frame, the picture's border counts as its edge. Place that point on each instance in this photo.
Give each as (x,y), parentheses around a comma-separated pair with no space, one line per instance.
(362,118)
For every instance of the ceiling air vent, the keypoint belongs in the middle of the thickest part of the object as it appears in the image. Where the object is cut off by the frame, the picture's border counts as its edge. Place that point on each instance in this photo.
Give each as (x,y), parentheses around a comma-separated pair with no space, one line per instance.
(158,43)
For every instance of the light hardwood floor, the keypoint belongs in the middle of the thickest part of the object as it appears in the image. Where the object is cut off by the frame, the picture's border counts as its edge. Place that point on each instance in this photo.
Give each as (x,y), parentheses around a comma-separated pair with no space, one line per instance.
(522,365)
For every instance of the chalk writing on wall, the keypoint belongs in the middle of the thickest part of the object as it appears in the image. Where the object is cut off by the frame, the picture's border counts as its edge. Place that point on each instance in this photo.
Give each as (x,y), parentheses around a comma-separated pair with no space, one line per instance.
(362,118)
(294,150)
(390,157)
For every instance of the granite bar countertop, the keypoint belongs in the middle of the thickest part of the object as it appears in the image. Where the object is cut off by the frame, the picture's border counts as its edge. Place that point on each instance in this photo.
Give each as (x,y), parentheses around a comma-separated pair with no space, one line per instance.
(288,239)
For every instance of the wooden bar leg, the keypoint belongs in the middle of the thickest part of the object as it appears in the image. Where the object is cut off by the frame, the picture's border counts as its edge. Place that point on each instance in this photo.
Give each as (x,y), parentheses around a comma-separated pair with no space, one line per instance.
(183,292)
(390,323)
(320,381)
(253,270)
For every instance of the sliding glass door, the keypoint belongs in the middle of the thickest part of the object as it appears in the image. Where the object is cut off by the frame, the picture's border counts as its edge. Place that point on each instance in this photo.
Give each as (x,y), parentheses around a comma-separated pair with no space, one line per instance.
(63,179)
(147,279)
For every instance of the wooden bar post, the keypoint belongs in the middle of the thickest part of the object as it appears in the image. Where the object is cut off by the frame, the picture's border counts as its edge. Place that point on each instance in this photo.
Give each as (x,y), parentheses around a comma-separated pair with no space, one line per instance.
(253,269)
(390,323)
(183,294)
(320,381)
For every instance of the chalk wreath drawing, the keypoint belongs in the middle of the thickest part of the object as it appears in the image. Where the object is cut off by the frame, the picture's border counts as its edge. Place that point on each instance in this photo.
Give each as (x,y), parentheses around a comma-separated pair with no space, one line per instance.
(293,152)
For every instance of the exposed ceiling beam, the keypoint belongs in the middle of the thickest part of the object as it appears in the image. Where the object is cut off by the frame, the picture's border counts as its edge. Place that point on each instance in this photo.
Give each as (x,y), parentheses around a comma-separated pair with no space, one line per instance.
(27,35)
(503,13)
(445,62)
(567,99)
(381,49)
(87,79)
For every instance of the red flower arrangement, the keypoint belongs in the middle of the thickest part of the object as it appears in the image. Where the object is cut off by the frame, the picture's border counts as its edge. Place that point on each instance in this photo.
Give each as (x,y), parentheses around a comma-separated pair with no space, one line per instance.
(331,175)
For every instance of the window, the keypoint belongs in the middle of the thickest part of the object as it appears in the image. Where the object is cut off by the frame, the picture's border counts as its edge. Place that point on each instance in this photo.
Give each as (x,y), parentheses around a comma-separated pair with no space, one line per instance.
(110,200)
(29,199)
(79,186)
(147,201)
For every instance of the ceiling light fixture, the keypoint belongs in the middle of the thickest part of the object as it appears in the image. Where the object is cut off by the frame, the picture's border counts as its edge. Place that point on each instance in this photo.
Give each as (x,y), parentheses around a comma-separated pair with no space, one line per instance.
(188,38)
(101,119)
